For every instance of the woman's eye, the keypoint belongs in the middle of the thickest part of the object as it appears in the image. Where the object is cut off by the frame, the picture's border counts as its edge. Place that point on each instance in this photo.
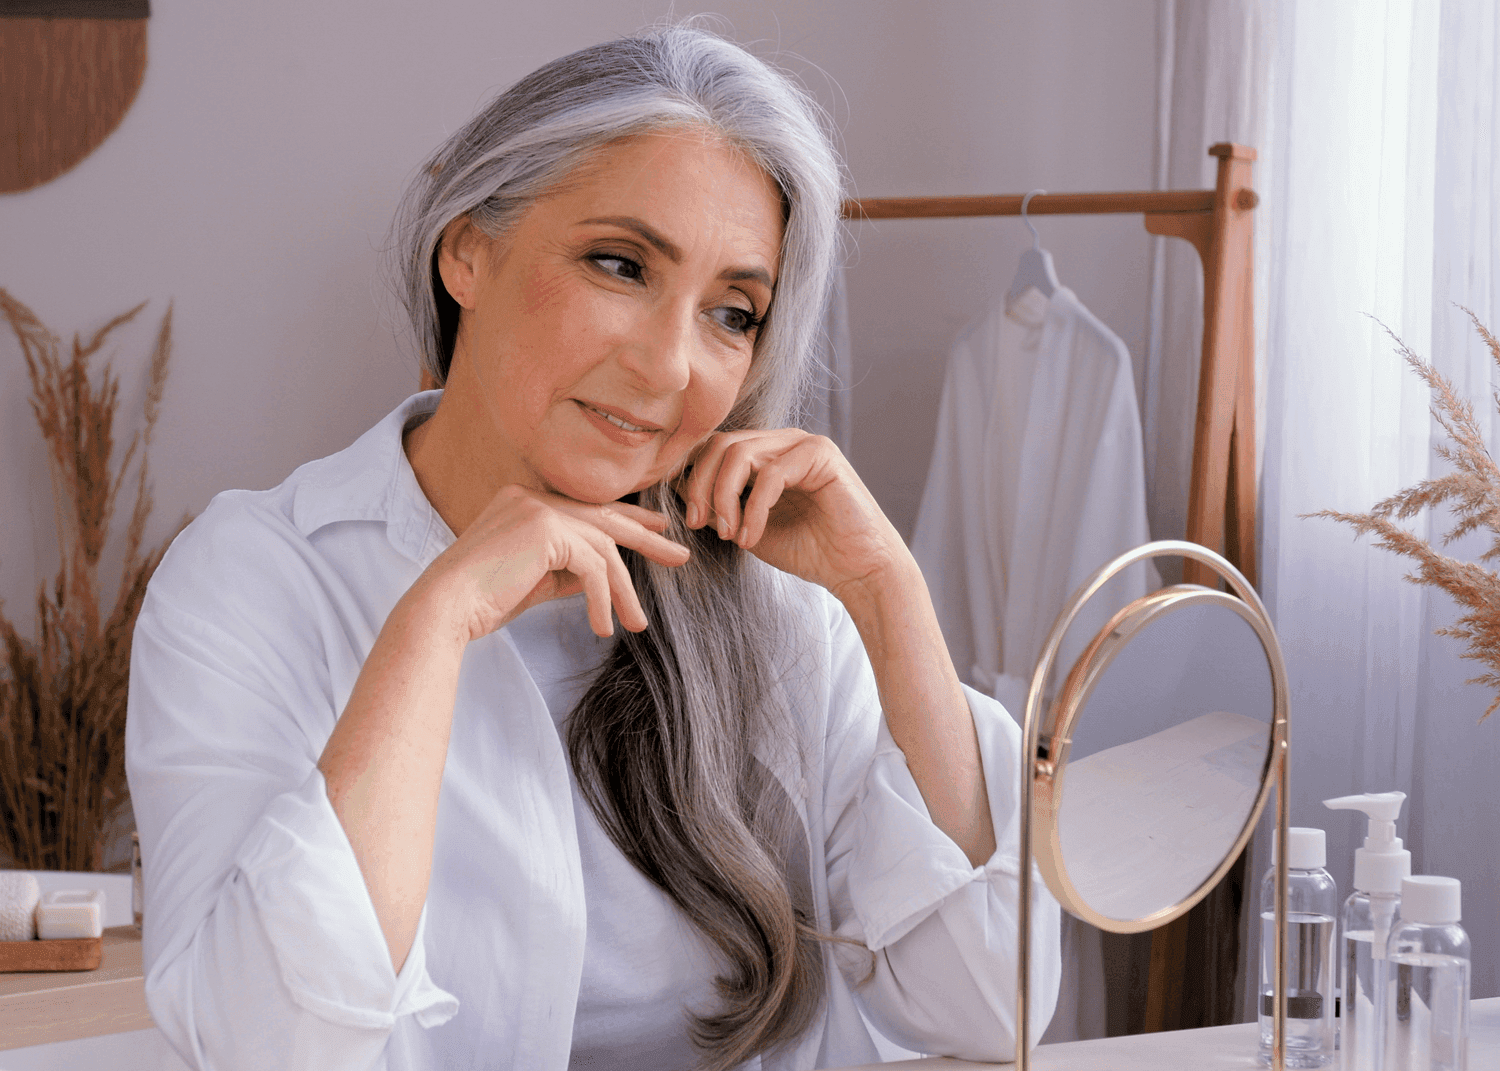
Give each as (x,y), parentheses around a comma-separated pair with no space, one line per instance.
(623,267)
(740,321)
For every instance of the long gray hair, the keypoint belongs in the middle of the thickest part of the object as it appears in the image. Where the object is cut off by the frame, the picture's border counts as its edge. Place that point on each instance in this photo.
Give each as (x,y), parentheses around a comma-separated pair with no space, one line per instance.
(663,743)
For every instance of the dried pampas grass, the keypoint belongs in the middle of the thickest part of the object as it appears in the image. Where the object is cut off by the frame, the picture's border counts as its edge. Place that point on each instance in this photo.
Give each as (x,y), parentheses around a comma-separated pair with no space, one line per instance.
(62,697)
(1471,491)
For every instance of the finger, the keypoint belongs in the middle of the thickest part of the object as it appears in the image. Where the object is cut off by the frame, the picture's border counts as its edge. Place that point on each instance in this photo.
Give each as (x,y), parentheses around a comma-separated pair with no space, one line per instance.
(738,465)
(628,532)
(647,518)
(770,482)
(622,592)
(589,566)
(700,480)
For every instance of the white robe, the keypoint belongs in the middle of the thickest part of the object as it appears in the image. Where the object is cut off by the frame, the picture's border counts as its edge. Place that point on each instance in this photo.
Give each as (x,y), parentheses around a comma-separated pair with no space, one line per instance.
(261,944)
(1037,479)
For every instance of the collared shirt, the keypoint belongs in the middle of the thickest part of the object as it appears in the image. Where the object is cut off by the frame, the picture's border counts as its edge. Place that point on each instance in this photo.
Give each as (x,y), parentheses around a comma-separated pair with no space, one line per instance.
(261,944)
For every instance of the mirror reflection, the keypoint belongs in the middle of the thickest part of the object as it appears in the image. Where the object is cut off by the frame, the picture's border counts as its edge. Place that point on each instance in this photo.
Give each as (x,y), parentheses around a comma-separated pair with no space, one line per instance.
(1168,750)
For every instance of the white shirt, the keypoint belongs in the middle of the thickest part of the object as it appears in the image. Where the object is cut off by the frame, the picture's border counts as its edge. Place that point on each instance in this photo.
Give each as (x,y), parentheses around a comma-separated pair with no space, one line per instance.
(644,962)
(1037,479)
(261,944)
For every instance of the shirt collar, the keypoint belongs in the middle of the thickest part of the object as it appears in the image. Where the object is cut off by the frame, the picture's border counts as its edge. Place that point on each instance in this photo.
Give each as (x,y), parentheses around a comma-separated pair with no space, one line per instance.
(372,480)
(1029,307)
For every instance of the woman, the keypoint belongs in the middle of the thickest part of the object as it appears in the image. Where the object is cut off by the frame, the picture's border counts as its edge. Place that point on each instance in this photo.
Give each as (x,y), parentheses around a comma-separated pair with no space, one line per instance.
(404,798)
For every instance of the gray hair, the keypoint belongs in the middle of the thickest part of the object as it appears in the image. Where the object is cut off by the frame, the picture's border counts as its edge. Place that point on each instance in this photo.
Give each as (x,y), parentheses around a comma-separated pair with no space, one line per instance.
(663,742)
(542,128)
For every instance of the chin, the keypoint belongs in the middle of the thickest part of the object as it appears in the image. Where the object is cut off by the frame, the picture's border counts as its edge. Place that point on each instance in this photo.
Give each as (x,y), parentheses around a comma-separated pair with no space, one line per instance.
(597,488)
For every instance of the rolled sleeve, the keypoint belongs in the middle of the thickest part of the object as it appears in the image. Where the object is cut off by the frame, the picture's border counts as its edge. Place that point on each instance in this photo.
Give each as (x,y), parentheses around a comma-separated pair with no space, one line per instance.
(307,889)
(940,973)
(261,944)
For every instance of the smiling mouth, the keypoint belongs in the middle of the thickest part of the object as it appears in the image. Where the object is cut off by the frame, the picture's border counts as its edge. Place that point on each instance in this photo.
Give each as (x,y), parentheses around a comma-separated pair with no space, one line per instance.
(616,421)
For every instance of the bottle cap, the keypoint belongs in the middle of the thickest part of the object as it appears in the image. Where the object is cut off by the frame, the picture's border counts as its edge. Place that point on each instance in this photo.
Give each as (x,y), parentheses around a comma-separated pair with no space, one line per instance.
(1430,899)
(1305,848)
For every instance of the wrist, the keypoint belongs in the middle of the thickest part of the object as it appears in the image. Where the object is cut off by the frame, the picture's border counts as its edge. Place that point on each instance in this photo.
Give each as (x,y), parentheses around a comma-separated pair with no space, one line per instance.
(433,610)
(890,592)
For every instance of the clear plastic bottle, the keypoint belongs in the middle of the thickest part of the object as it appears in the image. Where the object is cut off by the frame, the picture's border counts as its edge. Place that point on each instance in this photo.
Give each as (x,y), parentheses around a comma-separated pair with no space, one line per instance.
(1368,918)
(1312,900)
(1427,982)
(1379,868)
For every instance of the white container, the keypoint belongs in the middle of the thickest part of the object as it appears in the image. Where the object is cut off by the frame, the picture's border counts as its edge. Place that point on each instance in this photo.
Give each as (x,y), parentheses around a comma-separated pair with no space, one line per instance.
(1426,1012)
(70,913)
(1312,902)
(1379,868)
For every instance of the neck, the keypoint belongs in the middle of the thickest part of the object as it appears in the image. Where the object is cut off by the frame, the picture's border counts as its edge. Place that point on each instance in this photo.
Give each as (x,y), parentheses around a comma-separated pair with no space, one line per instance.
(452,454)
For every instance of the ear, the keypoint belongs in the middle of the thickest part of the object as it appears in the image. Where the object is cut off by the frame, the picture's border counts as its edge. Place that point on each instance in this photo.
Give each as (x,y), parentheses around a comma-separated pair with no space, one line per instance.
(459,253)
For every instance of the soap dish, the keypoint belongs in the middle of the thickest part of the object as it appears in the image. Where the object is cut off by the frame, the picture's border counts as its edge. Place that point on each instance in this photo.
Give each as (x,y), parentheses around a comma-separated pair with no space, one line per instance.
(64,954)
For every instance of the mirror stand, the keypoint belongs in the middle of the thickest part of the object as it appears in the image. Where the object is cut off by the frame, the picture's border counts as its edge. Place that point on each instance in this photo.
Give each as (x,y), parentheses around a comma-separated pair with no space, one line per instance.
(1043,760)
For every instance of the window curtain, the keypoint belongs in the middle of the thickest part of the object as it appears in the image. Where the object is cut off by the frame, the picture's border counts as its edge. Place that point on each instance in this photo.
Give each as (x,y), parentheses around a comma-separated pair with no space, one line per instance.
(1382,209)
(1377,127)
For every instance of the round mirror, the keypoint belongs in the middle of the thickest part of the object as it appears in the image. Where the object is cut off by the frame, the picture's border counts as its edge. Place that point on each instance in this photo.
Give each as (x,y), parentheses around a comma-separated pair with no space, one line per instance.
(1155,758)
(1149,769)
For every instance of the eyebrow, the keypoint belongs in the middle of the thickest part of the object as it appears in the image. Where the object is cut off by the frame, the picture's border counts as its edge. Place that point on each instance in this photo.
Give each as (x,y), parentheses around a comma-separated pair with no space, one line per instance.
(669,249)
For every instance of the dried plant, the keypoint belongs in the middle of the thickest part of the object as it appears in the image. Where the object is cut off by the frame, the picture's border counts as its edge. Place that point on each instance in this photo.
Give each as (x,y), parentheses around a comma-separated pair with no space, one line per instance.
(62,697)
(1471,491)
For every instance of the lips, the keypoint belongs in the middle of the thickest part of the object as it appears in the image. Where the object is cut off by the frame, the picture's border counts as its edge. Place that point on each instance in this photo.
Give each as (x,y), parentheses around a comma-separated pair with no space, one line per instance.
(619,419)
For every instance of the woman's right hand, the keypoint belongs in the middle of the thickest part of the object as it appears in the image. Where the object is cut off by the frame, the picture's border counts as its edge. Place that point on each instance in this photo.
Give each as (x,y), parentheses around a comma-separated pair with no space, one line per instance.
(527,547)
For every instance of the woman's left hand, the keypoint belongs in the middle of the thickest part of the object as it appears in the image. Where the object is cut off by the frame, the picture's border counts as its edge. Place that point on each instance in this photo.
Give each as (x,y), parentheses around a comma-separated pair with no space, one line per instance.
(807,512)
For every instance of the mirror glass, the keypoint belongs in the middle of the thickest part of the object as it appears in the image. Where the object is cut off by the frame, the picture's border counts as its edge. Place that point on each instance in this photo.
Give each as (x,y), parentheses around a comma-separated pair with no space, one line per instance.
(1163,733)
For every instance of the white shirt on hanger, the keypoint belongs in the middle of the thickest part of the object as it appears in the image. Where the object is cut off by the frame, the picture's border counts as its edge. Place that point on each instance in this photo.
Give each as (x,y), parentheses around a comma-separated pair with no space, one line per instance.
(1037,479)
(261,944)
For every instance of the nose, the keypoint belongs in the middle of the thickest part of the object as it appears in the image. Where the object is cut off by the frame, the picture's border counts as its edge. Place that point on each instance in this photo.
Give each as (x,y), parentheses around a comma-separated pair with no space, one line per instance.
(661,355)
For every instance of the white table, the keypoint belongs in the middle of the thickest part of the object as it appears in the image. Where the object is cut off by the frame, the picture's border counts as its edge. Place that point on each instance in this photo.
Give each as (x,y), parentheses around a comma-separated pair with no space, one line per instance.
(1191,1050)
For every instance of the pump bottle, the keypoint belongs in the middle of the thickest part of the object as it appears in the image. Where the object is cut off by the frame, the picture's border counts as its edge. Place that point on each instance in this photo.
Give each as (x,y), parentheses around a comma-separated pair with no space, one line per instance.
(1379,868)
(1311,967)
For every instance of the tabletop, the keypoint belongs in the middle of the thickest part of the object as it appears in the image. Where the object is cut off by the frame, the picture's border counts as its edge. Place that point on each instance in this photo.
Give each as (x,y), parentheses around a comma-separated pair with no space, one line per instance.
(1191,1050)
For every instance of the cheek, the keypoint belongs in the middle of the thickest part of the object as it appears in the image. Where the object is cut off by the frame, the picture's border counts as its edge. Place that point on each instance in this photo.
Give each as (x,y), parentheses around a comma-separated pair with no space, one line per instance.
(712,396)
(542,291)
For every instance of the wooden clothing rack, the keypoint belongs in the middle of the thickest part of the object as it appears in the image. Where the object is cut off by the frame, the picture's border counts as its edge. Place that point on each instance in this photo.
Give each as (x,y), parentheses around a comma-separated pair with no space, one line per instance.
(1222,489)
(1220,225)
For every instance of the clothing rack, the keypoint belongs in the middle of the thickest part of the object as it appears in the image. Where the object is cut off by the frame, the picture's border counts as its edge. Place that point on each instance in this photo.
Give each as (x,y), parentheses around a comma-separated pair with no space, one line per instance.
(1222,489)
(1220,225)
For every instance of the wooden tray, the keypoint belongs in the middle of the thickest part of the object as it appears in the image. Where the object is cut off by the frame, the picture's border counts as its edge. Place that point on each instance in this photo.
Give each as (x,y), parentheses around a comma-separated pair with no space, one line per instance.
(75,954)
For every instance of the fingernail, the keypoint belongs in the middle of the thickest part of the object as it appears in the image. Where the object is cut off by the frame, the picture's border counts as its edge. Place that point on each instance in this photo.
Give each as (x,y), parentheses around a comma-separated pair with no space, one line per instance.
(723,528)
(693,512)
(744,535)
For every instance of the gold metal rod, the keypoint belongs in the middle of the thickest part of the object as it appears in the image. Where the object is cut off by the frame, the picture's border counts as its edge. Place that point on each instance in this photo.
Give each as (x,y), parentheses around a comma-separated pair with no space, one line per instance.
(1283,808)
(1029,733)
(1043,204)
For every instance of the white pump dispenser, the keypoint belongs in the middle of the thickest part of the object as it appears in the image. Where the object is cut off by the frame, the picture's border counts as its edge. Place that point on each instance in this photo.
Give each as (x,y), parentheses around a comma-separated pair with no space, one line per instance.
(1379,868)
(1382,863)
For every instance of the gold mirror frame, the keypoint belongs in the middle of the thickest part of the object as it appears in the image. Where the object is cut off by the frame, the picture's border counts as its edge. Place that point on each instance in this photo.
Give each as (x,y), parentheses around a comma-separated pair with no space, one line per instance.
(1040,776)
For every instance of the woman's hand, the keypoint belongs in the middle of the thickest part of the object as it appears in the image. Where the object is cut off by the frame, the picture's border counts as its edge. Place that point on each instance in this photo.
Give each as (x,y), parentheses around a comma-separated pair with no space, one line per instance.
(527,547)
(807,512)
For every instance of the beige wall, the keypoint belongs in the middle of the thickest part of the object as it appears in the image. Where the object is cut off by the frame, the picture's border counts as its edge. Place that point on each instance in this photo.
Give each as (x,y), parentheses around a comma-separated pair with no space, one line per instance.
(253,181)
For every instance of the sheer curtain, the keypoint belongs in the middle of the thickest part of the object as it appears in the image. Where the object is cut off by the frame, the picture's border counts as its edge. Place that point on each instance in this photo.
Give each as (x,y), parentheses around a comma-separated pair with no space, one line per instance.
(1380,188)
(1379,141)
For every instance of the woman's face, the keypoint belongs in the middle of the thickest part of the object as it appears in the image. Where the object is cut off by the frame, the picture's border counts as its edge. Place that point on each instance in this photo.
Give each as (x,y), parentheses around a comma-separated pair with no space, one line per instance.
(609,332)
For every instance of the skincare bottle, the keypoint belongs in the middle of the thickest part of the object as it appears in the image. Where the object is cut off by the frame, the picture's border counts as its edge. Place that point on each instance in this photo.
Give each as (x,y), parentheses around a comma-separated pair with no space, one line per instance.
(1379,868)
(1427,987)
(1312,904)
